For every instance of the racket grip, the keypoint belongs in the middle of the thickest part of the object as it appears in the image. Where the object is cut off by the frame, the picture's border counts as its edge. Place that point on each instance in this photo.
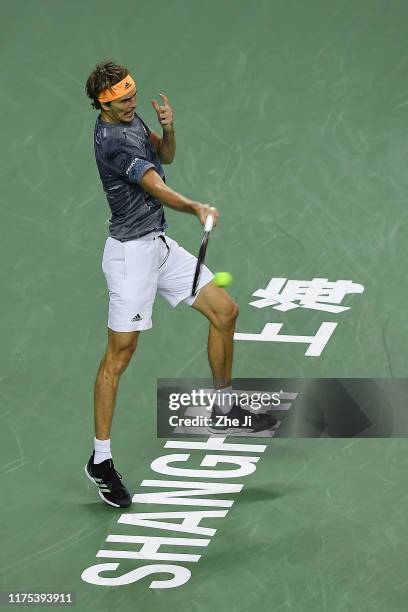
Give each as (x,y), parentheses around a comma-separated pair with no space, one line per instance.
(209,222)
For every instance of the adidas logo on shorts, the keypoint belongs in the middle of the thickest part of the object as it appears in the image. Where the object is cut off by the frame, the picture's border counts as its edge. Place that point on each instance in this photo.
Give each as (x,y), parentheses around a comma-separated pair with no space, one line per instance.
(137,318)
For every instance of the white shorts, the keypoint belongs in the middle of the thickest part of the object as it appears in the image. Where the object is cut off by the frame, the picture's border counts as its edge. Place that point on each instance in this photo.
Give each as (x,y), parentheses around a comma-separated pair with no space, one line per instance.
(137,269)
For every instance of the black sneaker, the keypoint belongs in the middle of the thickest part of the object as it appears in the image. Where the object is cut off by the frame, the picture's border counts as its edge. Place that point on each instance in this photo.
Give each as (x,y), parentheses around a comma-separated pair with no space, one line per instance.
(109,483)
(238,420)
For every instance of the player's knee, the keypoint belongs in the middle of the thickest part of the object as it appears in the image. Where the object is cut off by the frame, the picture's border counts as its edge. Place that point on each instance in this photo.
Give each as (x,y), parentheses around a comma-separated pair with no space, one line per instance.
(124,359)
(117,362)
(225,318)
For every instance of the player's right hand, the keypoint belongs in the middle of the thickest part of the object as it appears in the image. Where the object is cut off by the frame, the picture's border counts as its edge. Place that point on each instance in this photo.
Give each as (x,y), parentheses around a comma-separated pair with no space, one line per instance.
(203,210)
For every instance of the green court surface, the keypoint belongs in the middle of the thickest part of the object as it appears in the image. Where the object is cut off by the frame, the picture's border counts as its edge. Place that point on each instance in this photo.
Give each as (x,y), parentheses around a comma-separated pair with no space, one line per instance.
(291,117)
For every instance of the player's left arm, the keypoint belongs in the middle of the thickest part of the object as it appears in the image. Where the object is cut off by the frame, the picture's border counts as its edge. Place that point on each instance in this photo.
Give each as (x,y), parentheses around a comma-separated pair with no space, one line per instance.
(165,146)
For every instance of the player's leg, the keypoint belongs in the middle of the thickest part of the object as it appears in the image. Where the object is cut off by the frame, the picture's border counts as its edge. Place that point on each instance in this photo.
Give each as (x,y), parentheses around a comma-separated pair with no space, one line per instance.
(130,271)
(131,276)
(221,311)
(121,346)
(100,468)
(175,282)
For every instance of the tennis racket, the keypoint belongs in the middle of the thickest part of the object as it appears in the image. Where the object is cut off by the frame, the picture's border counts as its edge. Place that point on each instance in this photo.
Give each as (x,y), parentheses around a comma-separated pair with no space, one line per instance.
(209,222)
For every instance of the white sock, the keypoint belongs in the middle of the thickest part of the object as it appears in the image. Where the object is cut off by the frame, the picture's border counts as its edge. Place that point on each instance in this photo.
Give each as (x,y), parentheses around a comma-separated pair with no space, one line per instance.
(102,450)
(226,401)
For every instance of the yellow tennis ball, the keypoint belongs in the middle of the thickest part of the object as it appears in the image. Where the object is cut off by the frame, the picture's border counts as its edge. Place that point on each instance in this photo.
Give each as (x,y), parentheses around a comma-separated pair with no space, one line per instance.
(222,279)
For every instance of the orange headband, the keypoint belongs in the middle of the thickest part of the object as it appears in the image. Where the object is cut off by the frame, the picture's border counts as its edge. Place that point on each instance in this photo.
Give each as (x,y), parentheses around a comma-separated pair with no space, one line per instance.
(118,90)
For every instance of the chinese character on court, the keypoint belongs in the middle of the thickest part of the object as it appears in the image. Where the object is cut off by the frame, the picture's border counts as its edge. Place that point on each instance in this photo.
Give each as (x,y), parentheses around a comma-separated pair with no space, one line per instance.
(316,343)
(318,294)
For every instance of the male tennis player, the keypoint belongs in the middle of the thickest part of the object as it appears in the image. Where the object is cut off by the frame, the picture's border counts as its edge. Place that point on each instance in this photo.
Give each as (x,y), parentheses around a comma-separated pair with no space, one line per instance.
(140,260)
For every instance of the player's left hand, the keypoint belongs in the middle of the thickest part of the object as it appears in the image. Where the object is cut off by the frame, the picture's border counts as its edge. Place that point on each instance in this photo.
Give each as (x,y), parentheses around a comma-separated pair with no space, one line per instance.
(164,113)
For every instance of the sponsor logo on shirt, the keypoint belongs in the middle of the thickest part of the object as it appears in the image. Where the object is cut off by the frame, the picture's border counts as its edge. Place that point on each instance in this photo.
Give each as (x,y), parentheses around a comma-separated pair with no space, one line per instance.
(134,162)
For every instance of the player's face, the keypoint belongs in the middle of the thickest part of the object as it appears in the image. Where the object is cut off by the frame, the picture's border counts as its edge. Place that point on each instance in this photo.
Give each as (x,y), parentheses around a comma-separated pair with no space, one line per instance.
(122,110)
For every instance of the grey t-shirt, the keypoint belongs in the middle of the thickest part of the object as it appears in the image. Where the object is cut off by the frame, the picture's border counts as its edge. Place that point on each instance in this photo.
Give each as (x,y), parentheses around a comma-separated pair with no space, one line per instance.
(123,154)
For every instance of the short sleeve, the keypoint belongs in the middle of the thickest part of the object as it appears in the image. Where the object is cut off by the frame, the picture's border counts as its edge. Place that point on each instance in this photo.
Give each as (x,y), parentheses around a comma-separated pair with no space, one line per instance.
(129,161)
(137,168)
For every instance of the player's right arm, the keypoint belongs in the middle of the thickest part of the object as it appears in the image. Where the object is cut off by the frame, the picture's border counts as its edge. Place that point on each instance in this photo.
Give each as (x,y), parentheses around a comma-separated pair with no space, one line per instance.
(153,184)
